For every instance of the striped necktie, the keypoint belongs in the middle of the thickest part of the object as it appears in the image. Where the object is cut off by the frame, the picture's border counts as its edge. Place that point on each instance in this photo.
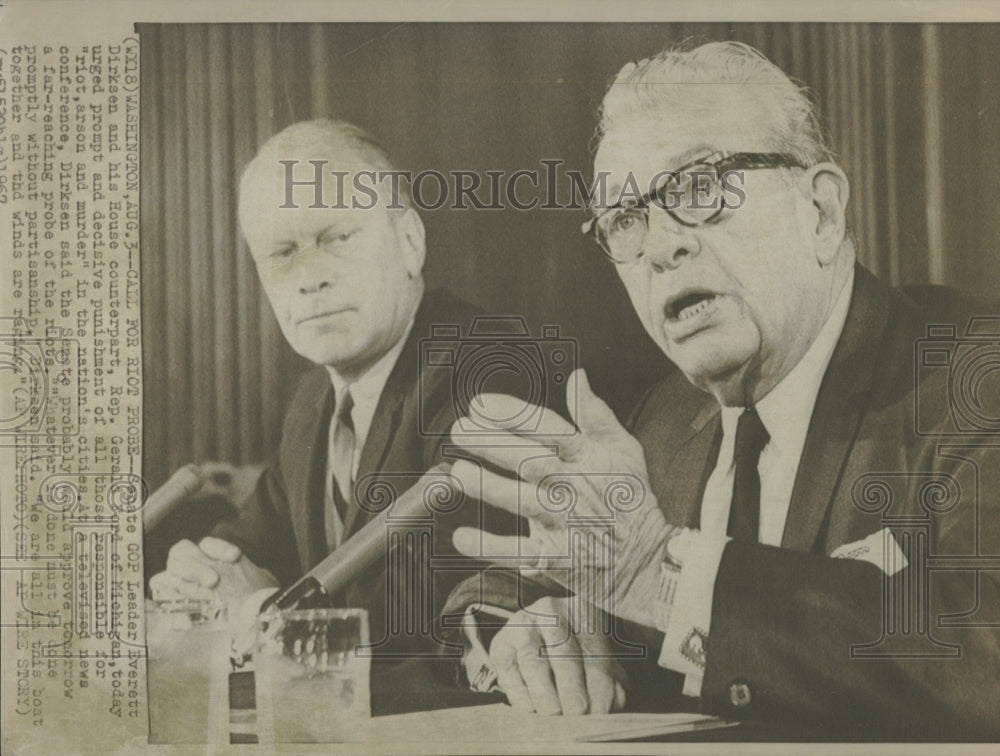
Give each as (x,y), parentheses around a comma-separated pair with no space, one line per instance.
(341,468)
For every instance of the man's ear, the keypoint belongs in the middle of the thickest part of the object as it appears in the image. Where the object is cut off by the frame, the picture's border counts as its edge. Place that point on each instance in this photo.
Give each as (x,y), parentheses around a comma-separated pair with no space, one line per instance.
(413,238)
(826,187)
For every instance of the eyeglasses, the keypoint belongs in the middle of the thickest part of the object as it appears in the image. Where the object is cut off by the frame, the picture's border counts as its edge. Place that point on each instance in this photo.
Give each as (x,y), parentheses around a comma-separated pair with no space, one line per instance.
(693,195)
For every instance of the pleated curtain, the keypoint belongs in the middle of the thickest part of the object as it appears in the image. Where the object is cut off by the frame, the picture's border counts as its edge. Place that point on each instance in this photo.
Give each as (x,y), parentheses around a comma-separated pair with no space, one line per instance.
(911,112)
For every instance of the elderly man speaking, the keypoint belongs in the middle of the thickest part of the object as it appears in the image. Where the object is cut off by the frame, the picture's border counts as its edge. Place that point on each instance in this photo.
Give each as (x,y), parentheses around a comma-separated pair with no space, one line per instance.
(783,502)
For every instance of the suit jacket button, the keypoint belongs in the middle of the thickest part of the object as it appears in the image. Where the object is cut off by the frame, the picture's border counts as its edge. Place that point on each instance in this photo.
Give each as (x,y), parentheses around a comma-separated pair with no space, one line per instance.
(739,694)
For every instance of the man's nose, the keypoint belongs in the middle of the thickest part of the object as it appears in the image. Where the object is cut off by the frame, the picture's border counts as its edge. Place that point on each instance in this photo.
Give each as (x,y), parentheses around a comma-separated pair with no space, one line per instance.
(312,272)
(668,243)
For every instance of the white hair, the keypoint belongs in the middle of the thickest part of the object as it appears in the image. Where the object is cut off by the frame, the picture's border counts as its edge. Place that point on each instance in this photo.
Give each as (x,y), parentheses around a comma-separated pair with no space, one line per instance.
(326,138)
(682,76)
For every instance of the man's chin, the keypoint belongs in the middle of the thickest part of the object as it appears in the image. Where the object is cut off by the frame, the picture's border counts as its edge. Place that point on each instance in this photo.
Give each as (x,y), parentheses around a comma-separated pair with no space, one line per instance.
(331,356)
(710,363)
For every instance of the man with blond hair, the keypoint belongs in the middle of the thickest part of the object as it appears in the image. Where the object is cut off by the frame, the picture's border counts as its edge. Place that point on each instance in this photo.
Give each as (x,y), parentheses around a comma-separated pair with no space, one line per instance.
(339,250)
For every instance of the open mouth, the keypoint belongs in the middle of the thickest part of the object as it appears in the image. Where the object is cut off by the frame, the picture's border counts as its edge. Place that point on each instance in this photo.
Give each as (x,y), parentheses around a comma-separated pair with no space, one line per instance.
(689,305)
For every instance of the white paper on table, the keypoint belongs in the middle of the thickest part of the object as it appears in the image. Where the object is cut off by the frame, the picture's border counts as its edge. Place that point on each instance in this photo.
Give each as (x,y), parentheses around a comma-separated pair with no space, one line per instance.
(498,723)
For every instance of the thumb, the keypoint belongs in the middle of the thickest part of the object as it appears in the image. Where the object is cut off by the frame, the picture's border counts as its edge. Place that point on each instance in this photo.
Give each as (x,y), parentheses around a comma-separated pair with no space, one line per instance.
(216,548)
(588,410)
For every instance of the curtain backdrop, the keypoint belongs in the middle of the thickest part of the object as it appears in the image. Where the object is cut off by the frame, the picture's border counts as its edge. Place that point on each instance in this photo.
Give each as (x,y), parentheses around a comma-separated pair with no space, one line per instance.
(911,111)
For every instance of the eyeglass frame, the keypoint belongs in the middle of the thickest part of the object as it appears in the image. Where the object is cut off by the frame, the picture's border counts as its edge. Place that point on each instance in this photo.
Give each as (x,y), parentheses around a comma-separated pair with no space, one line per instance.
(721,161)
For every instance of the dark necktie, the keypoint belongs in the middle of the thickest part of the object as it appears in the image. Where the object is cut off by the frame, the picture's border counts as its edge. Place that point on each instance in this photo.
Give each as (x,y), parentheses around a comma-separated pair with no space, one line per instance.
(744,512)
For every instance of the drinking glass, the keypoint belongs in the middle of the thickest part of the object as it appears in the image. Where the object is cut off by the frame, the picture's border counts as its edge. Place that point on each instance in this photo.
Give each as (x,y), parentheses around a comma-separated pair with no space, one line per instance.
(312,676)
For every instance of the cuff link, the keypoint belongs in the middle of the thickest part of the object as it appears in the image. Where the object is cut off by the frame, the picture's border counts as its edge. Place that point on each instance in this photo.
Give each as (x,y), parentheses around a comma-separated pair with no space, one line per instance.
(739,694)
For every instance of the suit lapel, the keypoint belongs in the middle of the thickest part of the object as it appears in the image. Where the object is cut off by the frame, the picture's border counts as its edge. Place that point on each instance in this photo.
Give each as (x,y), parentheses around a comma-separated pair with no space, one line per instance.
(681,439)
(839,409)
(697,458)
(389,411)
(385,421)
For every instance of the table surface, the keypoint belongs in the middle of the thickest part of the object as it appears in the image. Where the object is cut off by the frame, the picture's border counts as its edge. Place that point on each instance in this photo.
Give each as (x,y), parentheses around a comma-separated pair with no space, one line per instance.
(408,698)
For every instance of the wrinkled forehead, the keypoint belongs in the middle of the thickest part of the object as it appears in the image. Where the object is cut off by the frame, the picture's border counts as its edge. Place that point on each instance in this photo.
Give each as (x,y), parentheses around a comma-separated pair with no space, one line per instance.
(671,125)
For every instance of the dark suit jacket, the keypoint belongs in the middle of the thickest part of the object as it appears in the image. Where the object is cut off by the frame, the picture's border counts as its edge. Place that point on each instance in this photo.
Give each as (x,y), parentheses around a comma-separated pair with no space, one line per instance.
(281,527)
(832,645)
(892,442)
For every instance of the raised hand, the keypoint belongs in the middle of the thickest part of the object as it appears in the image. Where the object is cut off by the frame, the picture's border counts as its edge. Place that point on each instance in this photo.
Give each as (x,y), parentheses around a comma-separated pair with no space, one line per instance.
(594,522)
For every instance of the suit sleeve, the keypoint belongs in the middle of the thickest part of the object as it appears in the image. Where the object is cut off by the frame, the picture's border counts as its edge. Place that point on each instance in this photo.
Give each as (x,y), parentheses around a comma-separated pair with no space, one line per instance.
(453,589)
(263,527)
(804,638)
(478,582)
(261,531)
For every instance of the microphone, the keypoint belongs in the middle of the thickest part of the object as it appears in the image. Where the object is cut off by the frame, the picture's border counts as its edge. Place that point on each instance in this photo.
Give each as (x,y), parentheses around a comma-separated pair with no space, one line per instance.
(358,553)
(182,485)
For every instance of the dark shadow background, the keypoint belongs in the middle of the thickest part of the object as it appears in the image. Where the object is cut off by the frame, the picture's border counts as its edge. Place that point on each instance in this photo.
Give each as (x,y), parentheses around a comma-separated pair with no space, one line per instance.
(912,112)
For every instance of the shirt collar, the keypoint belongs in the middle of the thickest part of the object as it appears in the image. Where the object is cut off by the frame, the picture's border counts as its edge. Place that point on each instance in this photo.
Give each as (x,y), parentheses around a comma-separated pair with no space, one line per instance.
(787,408)
(367,389)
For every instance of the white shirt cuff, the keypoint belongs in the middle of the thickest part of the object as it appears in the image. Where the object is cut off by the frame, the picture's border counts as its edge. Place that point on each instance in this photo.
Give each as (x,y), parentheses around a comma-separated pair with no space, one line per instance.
(690,614)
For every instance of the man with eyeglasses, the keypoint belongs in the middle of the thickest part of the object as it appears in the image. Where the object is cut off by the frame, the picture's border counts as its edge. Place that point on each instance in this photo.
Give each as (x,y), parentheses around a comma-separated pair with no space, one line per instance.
(765,530)
(340,259)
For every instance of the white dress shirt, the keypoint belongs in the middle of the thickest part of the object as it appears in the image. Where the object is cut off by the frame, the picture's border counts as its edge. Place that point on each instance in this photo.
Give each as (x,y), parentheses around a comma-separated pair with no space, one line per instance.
(785,411)
(365,393)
